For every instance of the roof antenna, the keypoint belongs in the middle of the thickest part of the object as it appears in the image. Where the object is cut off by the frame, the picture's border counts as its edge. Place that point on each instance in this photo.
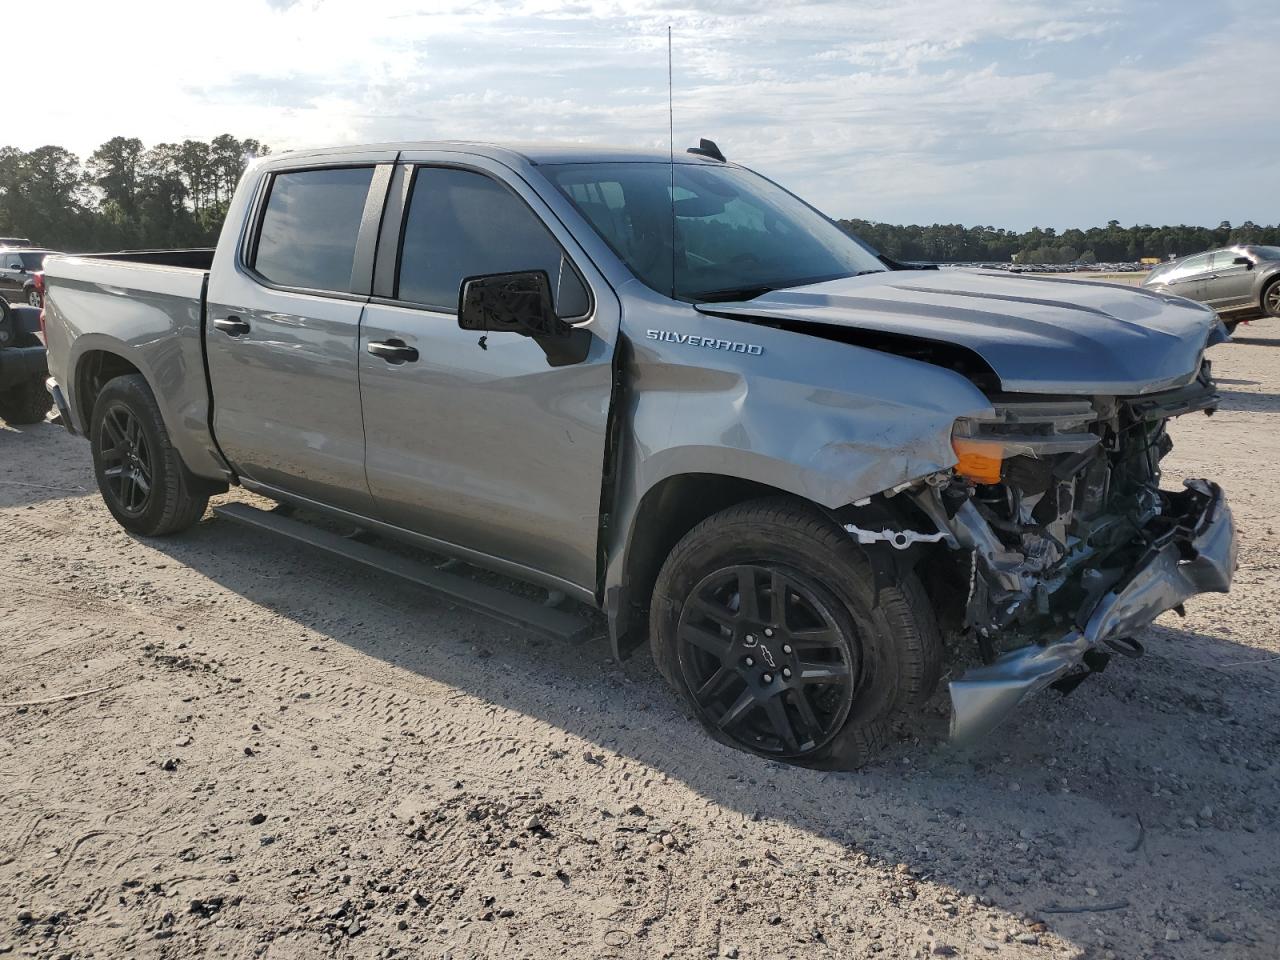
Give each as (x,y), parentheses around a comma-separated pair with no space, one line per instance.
(671,157)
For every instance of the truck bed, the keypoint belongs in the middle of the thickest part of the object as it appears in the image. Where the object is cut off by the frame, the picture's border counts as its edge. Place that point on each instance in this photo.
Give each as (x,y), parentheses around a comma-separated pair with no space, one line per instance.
(148,306)
(195,258)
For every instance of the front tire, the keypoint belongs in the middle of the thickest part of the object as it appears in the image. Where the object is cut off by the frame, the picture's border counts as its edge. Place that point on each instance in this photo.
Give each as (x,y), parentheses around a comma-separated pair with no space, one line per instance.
(26,402)
(142,479)
(1271,299)
(766,621)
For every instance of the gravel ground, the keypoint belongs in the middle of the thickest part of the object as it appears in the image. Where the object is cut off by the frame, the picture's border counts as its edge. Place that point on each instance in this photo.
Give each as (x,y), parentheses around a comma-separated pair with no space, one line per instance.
(274,754)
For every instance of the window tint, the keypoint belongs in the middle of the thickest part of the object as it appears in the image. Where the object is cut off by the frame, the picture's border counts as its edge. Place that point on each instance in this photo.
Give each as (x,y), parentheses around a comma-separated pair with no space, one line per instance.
(1225,259)
(309,229)
(463,224)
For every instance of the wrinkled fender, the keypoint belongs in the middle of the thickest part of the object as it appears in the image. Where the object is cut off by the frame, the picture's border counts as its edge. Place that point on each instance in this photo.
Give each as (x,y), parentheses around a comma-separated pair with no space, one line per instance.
(183,409)
(830,422)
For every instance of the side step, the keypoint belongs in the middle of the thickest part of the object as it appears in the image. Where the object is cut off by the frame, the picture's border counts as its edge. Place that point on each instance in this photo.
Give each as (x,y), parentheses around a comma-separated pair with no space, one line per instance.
(505,607)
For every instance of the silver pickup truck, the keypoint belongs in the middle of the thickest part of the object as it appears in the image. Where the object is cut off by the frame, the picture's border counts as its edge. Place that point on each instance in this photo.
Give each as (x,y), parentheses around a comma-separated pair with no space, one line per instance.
(678,394)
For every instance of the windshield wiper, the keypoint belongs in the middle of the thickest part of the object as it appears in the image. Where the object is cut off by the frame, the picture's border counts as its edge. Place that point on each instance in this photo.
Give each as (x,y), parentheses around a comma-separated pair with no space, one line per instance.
(731,293)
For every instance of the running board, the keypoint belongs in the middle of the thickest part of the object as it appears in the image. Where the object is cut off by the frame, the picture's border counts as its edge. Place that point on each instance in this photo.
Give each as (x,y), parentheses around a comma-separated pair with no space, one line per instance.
(498,604)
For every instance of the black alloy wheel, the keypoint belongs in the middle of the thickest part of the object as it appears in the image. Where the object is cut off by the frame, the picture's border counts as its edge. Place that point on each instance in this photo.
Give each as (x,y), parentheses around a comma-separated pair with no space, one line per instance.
(765,660)
(127,460)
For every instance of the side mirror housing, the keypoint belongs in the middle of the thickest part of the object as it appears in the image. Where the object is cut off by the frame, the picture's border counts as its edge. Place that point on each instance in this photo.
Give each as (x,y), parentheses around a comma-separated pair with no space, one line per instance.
(510,302)
(1243,261)
(17,266)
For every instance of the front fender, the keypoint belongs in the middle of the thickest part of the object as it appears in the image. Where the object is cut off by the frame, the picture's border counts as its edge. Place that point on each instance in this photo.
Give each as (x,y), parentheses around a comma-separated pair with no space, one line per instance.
(827,421)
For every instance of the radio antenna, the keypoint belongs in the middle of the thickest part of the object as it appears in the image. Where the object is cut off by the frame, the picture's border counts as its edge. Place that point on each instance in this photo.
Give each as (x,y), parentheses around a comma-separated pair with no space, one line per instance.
(671,159)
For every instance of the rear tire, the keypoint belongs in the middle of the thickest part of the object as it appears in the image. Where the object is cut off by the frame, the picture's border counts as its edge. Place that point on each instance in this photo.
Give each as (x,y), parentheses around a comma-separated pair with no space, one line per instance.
(26,402)
(811,677)
(143,481)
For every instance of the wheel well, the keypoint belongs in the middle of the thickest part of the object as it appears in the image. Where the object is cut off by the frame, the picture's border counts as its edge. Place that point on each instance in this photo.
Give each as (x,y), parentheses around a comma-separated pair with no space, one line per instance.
(666,513)
(95,370)
(678,504)
(1262,295)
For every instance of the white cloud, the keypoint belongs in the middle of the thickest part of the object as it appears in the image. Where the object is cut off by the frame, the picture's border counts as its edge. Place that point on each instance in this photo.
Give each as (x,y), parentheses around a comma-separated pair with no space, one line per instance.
(1000,111)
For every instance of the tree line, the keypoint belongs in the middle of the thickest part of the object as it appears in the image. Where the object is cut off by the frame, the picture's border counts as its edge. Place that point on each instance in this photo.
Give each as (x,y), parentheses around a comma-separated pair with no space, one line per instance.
(125,196)
(951,242)
(128,196)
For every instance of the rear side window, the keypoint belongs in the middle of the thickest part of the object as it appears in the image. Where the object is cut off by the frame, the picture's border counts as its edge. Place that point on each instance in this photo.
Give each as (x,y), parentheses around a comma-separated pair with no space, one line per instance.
(463,224)
(310,226)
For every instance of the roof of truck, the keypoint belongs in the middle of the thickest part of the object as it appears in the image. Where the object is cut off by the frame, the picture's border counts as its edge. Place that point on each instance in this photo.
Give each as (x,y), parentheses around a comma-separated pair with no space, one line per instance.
(535,153)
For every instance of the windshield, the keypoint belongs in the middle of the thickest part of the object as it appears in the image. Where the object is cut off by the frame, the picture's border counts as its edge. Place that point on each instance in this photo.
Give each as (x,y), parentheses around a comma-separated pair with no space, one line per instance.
(32,261)
(737,235)
(1265,253)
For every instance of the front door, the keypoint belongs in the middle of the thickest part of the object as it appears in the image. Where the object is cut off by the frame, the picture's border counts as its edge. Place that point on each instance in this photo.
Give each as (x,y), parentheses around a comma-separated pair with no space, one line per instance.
(480,441)
(282,335)
(1230,284)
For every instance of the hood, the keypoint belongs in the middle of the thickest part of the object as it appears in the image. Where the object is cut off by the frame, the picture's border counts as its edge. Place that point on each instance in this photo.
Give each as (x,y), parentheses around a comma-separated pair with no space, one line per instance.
(1037,334)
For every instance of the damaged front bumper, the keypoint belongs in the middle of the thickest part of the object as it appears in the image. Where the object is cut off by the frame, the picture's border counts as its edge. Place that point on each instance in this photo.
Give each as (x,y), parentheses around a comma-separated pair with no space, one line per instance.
(1197,556)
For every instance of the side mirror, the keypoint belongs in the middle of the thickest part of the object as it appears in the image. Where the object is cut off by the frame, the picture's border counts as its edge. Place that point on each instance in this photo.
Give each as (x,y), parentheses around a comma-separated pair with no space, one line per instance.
(1243,262)
(510,302)
(17,266)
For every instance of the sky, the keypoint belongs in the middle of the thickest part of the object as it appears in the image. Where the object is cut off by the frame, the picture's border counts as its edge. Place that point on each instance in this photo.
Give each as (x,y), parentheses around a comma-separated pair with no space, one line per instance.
(1011,113)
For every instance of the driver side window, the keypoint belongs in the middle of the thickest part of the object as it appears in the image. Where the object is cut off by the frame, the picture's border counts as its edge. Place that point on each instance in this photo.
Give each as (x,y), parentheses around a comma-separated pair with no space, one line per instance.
(465,224)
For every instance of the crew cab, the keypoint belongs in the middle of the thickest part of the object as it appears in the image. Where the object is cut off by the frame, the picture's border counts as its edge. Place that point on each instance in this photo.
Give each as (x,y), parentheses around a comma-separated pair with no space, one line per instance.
(674,392)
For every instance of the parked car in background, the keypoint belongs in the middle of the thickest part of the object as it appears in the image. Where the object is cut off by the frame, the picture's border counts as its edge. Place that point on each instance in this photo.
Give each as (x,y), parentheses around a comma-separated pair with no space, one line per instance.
(776,456)
(19,270)
(23,397)
(14,242)
(1241,283)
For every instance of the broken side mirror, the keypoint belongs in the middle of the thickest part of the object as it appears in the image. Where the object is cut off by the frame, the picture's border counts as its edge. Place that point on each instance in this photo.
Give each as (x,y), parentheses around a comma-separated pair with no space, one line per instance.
(510,303)
(521,303)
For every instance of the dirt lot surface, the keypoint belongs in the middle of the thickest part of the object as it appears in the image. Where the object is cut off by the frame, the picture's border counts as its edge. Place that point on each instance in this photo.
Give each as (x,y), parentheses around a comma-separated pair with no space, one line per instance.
(274,754)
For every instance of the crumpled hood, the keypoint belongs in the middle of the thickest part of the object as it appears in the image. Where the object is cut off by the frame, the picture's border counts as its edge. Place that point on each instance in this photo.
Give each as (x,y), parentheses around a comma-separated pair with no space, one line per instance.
(1038,334)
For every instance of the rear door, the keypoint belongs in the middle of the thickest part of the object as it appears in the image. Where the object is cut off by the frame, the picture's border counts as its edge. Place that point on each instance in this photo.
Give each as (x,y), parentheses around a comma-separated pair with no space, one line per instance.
(1230,284)
(487,443)
(1188,278)
(283,328)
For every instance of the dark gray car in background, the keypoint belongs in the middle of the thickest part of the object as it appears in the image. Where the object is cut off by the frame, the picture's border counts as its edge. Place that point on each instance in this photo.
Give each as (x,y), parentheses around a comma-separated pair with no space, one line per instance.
(18,270)
(1240,283)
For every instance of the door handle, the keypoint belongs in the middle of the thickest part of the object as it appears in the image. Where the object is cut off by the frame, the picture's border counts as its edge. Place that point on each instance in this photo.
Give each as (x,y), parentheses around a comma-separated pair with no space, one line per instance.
(393,351)
(232,326)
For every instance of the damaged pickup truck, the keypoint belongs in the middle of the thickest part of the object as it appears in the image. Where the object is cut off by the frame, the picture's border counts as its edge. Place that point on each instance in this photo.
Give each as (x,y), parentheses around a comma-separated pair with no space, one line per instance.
(678,394)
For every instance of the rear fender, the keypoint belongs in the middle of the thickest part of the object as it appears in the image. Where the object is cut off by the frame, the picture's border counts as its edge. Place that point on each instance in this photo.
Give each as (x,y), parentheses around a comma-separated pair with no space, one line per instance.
(183,410)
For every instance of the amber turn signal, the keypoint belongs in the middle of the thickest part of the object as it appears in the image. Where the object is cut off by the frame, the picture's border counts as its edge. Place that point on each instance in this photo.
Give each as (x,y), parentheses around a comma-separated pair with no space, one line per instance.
(978,460)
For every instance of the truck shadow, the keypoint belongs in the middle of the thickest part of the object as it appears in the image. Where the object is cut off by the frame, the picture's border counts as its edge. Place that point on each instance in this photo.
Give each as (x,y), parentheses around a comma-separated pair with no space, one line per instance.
(1151,777)
(1250,401)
